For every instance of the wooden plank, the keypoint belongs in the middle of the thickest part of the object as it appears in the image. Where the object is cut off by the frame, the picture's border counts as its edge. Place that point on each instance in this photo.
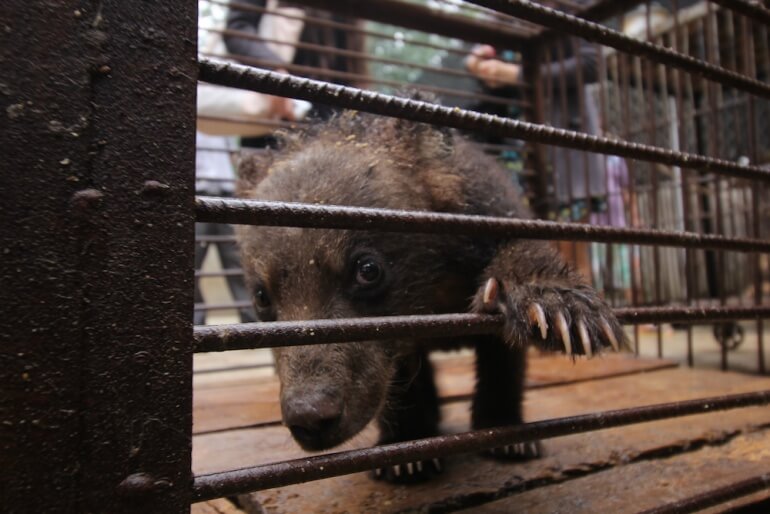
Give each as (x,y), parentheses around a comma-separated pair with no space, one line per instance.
(646,485)
(218,506)
(470,478)
(248,397)
(754,504)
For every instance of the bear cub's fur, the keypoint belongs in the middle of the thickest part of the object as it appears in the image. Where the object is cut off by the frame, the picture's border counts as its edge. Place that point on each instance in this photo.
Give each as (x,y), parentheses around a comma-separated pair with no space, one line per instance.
(330,392)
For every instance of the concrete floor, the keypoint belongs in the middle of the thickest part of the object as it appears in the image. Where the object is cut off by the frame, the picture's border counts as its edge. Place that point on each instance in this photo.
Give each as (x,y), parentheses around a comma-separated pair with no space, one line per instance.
(706,350)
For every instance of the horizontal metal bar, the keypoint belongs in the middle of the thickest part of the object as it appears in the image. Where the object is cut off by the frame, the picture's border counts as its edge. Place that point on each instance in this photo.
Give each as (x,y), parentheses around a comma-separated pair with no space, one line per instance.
(215,239)
(228,272)
(714,496)
(358,78)
(215,485)
(219,338)
(424,19)
(254,212)
(263,81)
(597,33)
(243,304)
(243,336)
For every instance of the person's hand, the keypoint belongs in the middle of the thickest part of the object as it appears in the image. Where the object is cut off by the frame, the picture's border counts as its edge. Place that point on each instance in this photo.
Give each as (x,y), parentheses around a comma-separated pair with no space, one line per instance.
(280,107)
(493,72)
(478,54)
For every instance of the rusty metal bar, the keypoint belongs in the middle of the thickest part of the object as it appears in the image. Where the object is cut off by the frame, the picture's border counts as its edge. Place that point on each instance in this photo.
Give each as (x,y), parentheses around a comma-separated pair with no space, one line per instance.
(263,81)
(286,214)
(219,338)
(596,33)
(536,158)
(97,230)
(750,65)
(684,177)
(353,77)
(424,19)
(714,496)
(243,336)
(215,485)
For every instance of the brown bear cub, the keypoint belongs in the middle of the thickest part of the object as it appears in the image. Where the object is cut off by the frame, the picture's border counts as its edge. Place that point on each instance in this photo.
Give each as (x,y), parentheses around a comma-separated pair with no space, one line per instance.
(330,392)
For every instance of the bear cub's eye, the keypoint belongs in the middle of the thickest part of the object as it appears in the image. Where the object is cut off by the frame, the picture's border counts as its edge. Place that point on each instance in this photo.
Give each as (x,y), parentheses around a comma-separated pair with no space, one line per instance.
(368,271)
(261,297)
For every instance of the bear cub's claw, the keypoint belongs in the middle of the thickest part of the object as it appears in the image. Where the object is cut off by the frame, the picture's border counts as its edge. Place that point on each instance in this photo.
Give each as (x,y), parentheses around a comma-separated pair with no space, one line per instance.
(516,452)
(573,320)
(409,473)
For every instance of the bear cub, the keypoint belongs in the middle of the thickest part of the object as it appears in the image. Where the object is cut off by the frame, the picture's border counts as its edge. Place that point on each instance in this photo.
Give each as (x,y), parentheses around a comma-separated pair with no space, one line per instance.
(331,392)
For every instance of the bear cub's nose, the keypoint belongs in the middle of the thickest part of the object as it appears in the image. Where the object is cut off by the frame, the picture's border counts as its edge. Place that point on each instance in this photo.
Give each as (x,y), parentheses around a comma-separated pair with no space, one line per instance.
(312,417)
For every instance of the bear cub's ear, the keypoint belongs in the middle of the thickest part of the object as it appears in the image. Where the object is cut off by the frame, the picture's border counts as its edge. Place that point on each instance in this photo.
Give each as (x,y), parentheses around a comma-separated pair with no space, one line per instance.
(252,169)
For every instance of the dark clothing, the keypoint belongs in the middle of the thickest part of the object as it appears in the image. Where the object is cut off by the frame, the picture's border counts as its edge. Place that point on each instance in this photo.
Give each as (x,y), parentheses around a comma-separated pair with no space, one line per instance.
(313,33)
(248,21)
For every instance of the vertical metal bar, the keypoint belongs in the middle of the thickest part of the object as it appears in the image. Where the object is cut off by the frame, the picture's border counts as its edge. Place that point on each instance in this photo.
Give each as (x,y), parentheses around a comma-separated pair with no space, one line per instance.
(580,92)
(732,187)
(623,86)
(603,74)
(564,122)
(712,94)
(652,126)
(549,117)
(697,214)
(96,198)
(532,60)
(750,69)
(684,175)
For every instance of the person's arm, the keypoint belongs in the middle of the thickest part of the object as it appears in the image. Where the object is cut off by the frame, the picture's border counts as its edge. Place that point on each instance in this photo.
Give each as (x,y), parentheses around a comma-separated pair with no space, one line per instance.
(248,21)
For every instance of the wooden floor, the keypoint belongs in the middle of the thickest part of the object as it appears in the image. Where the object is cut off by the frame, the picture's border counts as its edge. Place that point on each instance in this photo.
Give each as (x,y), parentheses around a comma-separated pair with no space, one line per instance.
(628,469)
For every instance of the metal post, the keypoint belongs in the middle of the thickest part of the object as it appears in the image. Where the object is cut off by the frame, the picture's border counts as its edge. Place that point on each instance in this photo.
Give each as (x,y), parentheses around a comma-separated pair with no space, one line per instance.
(96,202)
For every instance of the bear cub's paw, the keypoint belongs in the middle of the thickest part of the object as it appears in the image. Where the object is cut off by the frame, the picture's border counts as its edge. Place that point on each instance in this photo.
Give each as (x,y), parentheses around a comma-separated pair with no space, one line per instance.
(570,319)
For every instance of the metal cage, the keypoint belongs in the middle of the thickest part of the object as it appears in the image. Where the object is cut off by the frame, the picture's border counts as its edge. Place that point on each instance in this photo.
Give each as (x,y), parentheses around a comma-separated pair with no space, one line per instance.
(99,210)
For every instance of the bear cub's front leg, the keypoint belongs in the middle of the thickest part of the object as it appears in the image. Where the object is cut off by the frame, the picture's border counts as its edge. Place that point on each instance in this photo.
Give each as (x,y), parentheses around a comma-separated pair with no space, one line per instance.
(500,377)
(411,412)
